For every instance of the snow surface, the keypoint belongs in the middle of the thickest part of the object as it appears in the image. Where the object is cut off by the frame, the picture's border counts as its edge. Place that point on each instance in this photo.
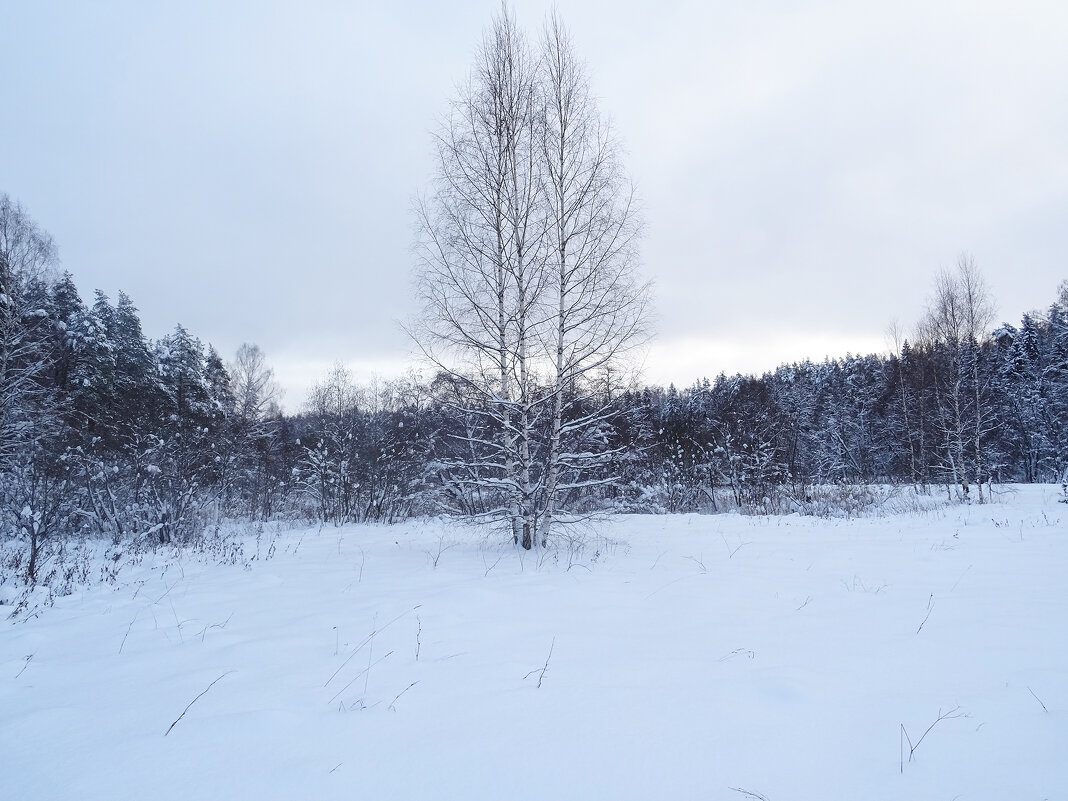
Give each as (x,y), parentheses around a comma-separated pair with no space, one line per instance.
(718,657)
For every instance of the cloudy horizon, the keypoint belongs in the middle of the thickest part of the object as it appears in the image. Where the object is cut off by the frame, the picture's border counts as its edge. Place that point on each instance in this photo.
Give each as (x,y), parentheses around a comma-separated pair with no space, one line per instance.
(805,170)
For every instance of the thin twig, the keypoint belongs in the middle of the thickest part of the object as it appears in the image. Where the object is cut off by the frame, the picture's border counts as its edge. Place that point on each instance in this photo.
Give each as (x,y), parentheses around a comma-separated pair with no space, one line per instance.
(202,694)
(748,652)
(127,634)
(952,713)
(177,622)
(930,606)
(367,673)
(698,562)
(204,631)
(168,592)
(750,794)
(731,551)
(962,575)
(402,692)
(30,659)
(367,640)
(378,661)
(1028,690)
(488,569)
(544,668)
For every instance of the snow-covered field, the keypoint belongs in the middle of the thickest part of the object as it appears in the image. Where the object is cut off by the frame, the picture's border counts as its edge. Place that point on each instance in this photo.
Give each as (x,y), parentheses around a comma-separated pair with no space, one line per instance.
(685,657)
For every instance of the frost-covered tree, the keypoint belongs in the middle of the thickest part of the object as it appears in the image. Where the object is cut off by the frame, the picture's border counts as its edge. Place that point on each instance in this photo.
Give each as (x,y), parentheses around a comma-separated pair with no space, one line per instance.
(33,498)
(256,425)
(27,260)
(597,308)
(182,460)
(527,274)
(956,328)
(481,247)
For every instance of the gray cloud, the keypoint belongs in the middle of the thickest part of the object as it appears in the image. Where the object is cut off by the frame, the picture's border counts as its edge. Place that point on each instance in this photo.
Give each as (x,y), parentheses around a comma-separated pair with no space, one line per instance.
(805,169)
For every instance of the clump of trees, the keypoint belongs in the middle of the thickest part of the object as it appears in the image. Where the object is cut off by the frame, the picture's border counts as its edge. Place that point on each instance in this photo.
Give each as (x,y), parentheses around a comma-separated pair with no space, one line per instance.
(108,434)
(961,406)
(105,433)
(531,306)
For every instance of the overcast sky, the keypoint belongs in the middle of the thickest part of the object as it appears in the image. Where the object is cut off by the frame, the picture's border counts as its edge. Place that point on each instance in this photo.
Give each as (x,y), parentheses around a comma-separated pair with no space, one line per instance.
(805,168)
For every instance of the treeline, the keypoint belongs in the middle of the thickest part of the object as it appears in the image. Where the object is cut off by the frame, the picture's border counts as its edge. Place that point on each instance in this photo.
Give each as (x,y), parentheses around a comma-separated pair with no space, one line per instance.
(105,433)
(937,416)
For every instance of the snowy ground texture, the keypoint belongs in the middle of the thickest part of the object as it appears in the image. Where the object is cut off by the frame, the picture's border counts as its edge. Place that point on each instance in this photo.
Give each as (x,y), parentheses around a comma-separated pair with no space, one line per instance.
(718,657)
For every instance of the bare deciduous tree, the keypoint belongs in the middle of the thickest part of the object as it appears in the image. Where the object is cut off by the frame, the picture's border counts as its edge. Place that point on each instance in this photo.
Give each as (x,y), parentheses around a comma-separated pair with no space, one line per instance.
(256,392)
(254,424)
(600,309)
(957,326)
(527,254)
(479,246)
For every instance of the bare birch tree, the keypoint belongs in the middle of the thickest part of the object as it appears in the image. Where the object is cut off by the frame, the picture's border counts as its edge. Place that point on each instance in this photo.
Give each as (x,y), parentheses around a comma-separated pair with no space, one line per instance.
(480,248)
(957,326)
(255,423)
(527,253)
(256,392)
(600,308)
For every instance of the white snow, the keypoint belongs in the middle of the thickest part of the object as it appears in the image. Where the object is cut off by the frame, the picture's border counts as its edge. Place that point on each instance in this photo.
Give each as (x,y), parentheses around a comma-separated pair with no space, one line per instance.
(691,658)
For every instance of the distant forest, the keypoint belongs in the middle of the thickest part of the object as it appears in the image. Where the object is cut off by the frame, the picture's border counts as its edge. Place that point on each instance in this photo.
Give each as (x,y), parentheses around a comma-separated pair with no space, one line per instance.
(107,434)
